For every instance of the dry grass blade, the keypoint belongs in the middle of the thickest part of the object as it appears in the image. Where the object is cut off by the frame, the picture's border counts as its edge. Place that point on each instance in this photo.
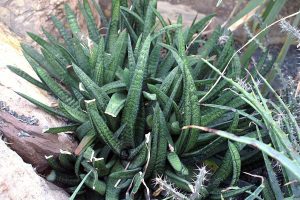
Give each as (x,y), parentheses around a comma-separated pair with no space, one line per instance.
(289,164)
(245,45)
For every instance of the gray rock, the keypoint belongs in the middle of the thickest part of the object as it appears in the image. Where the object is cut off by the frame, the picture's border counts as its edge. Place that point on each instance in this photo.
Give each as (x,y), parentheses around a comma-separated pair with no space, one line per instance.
(22,16)
(23,122)
(171,12)
(19,181)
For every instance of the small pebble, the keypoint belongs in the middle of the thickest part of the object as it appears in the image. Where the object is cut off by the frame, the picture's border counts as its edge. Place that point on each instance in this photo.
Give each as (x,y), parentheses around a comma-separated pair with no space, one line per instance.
(31,120)
(23,134)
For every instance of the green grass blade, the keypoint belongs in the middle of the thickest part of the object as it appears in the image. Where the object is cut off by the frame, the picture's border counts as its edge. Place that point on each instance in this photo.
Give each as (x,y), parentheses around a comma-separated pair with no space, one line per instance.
(154,143)
(187,140)
(163,23)
(270,16)
(286,162)
(114,25)
(131,59)
(63,32)
(206,50)
(154,59)
(118,55)
(162,143)
(57,89)
(176,163)
(162,98)
(116,86)
(241,112)
(42,106)
(101,97)
(236,163)
(271,174)
(27,77)
(99,64)
(51,38)
(90,21)
(170,104)
(60,69)
(129,27)
(198,27)
(32,55)
(135,15)
(67,128)
(71,17)
(290,115)
(81,58)
(72,197)
(169,80)
(166,29)
(75,113)
(85,142)
(104,21)
(115,105)
(149,19)
(134,94)
(101,127)
(251,5)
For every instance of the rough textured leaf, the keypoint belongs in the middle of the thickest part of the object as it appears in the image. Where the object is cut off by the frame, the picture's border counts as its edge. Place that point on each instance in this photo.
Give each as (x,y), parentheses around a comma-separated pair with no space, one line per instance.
(134,94)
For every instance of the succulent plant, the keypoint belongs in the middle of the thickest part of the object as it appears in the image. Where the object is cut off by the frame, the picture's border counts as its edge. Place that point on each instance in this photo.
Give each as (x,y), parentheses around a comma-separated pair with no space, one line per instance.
(128,92)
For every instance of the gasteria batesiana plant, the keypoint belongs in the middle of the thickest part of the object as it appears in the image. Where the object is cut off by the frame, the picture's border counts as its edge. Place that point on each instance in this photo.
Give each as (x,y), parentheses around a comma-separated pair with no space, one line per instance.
(127,94)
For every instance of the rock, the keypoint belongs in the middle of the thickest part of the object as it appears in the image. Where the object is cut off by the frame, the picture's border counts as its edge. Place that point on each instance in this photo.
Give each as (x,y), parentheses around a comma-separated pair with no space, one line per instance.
(30,143)
(20,121)
(224,10)
(19,181)
(11,54)
(171,11)
(22,16)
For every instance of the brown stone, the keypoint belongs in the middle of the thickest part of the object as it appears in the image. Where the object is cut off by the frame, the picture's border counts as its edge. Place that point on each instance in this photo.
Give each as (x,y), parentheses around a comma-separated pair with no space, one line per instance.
(31,143)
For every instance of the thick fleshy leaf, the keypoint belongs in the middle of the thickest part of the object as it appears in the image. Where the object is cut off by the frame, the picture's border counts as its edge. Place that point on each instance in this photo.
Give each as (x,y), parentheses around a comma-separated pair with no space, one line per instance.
(134,94)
